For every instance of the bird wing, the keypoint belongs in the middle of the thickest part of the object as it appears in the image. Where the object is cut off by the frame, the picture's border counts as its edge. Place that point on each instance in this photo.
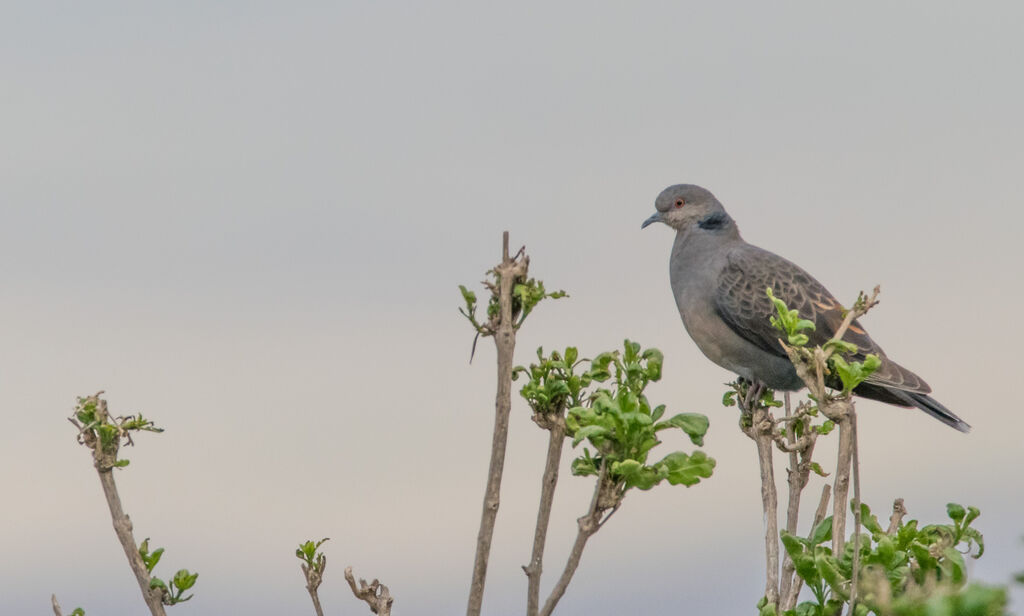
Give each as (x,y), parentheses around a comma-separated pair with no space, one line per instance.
(742,302)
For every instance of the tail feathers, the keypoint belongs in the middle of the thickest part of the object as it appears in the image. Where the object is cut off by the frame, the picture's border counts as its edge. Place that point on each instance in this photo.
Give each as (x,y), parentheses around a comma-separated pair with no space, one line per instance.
(935,408)
(901,397)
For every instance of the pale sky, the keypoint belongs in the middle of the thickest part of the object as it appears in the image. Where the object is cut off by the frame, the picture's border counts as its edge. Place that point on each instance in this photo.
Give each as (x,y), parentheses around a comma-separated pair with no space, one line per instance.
(249,221)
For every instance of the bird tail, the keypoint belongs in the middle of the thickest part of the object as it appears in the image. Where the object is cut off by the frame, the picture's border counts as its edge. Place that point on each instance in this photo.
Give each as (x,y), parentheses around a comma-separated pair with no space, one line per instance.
(935,408)
(902,397)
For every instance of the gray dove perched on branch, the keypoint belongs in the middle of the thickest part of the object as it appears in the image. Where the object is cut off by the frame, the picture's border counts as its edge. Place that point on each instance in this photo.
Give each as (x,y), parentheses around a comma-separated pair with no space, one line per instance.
(719,282)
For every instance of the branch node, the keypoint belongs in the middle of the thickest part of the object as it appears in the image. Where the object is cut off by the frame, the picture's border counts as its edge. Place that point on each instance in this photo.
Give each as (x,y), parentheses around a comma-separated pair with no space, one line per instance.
(375,594)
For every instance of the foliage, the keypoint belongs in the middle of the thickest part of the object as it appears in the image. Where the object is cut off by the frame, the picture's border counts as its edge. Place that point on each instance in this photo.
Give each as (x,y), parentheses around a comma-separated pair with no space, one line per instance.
(96,425)
(526,294)
(789,322)
(620,424)
(182,581)
(912,571)
(309,553)
(850,373)
(554,385)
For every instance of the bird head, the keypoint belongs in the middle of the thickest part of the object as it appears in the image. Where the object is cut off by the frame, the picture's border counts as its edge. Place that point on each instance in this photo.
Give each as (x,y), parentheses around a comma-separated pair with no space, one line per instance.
(686,205)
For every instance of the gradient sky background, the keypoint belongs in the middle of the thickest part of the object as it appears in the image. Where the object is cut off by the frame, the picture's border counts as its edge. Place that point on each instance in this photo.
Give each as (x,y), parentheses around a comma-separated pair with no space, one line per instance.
(249,221)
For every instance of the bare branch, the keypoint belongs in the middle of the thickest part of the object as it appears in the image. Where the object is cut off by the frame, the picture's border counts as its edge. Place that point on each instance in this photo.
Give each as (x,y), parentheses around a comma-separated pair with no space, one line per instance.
(556,438)
(763,428)
(375,594)
(762,431)
(819,515)
(507,272)
(898,511)
(56,606)
(606,496)
(797,475)
(841,486)
(856,510)
(105,459)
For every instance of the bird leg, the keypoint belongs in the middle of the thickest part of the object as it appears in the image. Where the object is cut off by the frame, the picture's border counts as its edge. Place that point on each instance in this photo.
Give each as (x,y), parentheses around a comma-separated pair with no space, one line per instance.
(755,390)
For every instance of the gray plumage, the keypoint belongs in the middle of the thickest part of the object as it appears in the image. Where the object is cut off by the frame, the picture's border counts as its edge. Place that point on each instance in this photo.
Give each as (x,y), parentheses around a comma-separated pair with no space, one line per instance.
(719,283)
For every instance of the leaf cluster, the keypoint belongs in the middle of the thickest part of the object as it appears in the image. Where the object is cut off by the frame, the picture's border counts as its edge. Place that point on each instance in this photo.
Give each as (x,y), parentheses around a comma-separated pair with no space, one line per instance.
(526,294)
(789,322)
(103,433)
(309,553)
(182,581)
(850,373)
(525,297)
(913,571)
(554,385)
(616,418)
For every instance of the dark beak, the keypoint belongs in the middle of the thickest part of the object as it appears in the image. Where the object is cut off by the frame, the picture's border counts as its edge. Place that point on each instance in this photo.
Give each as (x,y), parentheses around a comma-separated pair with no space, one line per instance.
(656,217)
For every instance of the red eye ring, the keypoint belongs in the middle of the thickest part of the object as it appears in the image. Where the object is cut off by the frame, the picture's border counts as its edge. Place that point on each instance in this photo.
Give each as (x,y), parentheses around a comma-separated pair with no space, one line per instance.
(679,203)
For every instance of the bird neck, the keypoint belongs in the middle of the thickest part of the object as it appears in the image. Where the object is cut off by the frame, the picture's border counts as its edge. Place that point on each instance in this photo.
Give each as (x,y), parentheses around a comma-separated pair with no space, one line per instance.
(715,229)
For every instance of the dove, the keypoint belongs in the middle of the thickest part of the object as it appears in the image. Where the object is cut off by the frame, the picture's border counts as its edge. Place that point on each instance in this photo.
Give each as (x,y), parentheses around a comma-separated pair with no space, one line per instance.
(719,282)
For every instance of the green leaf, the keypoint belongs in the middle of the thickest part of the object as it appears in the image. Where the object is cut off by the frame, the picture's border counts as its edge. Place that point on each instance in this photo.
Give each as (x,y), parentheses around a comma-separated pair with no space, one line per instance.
(584,465)
(869,521)
(184,580)
(822,532)
(840,346)
(766,609)
(794,545)
(593,432)
(887,551)
(645,479)
(626,469)
(150,559)
(808,609)
(818,470)
(953,564)
(789,322)
(826,427)
(828,568)
(688,469)
(956,512)
(694,425)
(729,399)
(971,534)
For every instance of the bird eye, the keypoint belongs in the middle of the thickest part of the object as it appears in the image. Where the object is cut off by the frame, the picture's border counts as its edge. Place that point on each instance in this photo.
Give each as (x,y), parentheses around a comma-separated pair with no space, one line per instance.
(679,203)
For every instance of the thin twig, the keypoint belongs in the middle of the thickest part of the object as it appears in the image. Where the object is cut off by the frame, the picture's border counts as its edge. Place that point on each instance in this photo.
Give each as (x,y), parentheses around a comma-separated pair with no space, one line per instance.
(104,459)
(604,498)
(762,431)
(793,508)
(856,513)
(819,515)
(314,576)
(898,511)
(841,488)
(507,272)
(556,438)
(56,606)
(375,594)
